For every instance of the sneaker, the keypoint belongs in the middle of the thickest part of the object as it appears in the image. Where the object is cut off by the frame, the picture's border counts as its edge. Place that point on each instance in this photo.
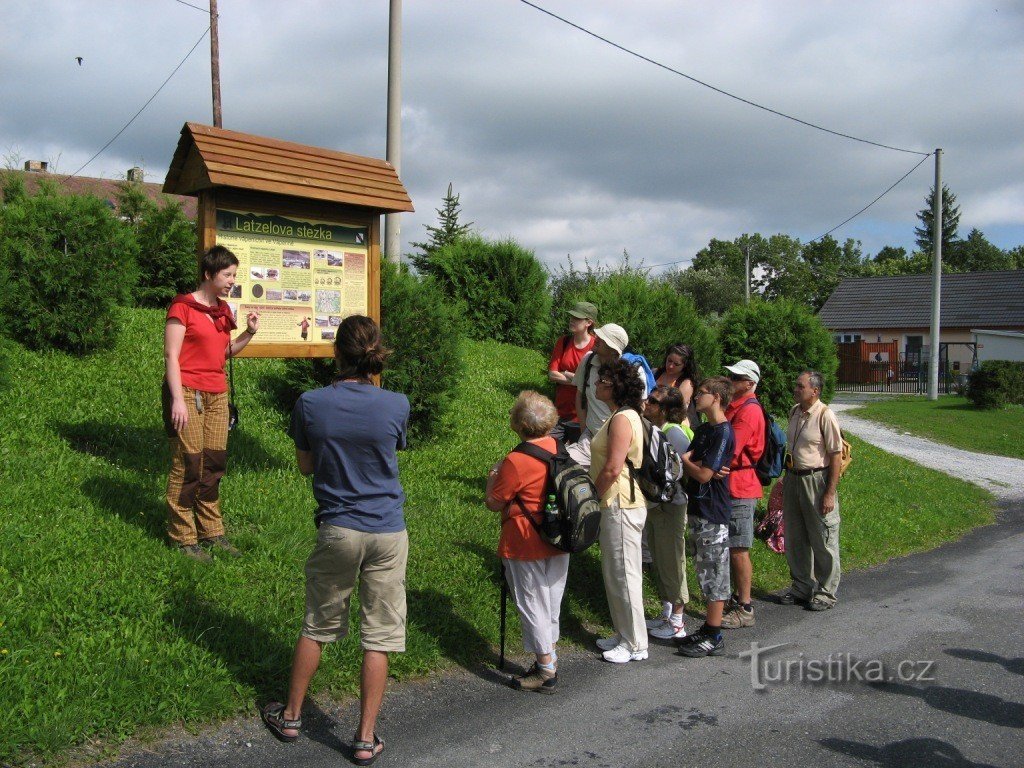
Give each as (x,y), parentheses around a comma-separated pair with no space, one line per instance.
(655,623)
(738,617)
(607,643)
(701,643)
(669,631)
(820,604)
(536,679)
(222,544)
(620,654)
(195,552)
(788,598)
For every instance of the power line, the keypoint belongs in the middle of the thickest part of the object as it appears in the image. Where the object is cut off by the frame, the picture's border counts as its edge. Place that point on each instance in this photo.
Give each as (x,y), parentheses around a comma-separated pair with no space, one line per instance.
(204,10)
(719,90)
(148,102)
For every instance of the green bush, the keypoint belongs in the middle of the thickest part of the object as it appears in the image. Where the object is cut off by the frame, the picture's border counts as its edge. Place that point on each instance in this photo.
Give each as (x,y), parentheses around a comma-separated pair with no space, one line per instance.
(424,331)
(68,262)
(783,338)
(652,312)
(997,383)
(167,246)
(500,286)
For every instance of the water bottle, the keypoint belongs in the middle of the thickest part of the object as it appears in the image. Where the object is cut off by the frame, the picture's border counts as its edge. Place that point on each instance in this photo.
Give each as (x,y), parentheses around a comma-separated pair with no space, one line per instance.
(550,525)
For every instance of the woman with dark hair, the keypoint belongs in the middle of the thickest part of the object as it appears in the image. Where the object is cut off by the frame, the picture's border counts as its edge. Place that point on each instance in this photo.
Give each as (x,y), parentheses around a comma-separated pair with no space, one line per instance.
(666,520)
(347,436)
(197,342)
(616,450)
(536,572)
(680,370)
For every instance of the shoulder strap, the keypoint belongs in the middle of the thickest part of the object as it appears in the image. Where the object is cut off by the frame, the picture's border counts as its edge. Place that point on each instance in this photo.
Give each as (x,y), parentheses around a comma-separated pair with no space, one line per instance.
(534,450)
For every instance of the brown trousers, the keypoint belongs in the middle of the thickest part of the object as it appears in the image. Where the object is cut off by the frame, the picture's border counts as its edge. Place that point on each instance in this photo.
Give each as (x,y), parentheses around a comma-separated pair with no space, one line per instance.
(199,454)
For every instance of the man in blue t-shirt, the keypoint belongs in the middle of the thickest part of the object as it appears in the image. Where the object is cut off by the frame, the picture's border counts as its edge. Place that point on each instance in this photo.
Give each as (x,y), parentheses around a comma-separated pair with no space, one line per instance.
(710,507)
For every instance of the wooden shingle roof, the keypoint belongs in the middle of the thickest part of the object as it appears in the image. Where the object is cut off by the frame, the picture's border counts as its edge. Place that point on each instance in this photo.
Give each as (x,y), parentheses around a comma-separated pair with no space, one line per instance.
(209,157)
(969,300)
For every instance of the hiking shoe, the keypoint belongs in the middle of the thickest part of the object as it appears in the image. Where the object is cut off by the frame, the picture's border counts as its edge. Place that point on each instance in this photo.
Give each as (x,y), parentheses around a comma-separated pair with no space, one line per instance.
(738,617)
(820,604)
(607,643)
(222,544)
(701,643)
(788,598)
(195,552)
(536,679)
(669,631)
(620,654)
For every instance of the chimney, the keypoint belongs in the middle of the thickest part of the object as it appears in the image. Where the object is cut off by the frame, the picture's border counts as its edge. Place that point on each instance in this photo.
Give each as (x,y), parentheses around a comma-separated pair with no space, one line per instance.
(36,166)
(136,174)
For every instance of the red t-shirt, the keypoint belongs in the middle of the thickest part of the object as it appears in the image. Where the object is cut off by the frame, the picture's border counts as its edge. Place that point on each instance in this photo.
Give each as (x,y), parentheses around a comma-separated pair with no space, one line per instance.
(748,432)
(565,357)
(203,350)
(526,477)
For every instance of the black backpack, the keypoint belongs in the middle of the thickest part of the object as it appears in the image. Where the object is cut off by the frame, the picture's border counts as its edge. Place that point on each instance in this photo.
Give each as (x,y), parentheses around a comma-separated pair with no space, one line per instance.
(578,520)
(660,468)
(769,466)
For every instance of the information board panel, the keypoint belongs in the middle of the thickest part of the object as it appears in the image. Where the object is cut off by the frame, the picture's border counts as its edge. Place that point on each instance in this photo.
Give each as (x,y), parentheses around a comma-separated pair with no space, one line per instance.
(303,276)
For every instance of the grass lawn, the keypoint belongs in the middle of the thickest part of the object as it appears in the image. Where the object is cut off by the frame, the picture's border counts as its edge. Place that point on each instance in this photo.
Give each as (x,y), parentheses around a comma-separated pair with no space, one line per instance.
(105,632)
(953,420)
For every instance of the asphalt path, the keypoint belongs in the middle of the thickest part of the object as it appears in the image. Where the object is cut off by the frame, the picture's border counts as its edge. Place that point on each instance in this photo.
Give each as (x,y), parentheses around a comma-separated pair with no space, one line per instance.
(921,664)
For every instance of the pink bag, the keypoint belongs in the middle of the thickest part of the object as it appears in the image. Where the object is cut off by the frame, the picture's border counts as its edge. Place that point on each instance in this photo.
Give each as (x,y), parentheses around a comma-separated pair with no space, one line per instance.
(770,530)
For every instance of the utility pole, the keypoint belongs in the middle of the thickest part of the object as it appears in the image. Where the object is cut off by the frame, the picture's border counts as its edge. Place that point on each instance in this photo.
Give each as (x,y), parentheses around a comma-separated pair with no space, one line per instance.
(392,222)
(746,282)
(215,64)
(933,368)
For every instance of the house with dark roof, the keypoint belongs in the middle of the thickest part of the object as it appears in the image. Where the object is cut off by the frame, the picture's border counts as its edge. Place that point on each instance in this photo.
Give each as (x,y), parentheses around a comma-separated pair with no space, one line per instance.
(36,172)
(895,313)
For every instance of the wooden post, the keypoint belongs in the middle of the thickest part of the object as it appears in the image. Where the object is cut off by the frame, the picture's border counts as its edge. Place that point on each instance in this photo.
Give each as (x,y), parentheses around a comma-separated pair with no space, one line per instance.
(215,64)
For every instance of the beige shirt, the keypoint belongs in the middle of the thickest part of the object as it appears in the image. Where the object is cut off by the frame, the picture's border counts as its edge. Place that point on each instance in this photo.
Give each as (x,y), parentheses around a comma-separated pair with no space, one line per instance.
(812,436)
(620,489)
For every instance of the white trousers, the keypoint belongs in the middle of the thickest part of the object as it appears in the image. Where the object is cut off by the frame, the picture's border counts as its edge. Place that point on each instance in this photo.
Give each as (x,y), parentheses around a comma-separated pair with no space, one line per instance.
(537,587)
(621,566)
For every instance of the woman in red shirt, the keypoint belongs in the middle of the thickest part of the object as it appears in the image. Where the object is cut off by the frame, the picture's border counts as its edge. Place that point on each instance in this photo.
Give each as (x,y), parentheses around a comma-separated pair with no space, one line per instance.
(565,359)
(535,570)
(197,342)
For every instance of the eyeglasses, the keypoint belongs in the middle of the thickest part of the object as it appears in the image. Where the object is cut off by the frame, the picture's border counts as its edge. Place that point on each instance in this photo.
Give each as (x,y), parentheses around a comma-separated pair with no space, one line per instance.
(700,393)
(606,382)
(652,401)
(735,377)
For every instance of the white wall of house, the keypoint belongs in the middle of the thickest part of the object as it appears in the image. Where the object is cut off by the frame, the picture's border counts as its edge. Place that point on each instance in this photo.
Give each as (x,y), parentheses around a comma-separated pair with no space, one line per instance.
(999,345)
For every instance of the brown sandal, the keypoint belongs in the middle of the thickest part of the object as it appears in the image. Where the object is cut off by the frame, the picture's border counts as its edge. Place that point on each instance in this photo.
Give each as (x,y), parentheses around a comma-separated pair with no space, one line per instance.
(367,746)
(273,717)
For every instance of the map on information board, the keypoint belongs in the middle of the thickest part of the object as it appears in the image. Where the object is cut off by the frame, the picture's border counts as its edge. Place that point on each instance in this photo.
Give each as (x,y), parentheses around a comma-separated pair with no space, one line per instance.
(302,276)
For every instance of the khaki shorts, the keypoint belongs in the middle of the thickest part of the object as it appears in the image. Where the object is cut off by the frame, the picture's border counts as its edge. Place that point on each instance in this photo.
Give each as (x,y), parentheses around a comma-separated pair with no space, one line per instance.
(342,555)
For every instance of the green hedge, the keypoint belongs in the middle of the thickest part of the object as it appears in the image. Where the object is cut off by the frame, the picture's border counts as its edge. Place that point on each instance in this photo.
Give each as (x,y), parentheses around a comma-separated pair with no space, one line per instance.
(783,338)
(997,383)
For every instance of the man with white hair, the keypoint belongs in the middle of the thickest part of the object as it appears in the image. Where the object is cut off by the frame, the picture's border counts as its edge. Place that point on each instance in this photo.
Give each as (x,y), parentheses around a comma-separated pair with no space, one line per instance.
(747,419)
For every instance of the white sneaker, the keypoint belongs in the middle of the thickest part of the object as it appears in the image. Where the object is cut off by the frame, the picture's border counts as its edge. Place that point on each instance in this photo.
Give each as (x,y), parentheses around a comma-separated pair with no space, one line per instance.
(668,631)
(607,643)
(620,654)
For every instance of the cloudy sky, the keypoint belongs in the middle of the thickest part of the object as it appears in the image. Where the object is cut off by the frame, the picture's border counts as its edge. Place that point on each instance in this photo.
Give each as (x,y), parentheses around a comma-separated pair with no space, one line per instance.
(551,136)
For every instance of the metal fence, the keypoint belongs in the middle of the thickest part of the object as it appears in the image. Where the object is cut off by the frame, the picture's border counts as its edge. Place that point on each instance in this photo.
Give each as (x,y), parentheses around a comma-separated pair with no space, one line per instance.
(904,373)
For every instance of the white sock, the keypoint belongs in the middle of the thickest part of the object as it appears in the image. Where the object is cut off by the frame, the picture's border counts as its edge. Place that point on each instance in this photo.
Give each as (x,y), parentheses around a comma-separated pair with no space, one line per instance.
(549,667)
(677,621)
(666,608)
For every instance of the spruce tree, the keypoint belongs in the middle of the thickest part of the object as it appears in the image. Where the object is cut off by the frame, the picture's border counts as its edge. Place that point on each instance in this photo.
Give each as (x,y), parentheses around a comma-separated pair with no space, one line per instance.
(448,231)
(950,221)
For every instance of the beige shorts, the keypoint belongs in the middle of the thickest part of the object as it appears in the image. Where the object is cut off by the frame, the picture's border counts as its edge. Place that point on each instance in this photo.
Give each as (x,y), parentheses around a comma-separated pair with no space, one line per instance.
(377,560)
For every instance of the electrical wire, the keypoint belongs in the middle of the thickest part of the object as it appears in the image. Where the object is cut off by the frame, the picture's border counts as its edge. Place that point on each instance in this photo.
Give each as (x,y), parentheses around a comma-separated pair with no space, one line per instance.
(204,10)
(148,102)
(719,90)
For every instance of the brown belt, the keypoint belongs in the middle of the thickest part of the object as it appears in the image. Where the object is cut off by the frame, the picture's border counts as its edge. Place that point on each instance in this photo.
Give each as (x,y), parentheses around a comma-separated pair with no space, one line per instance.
(805,472)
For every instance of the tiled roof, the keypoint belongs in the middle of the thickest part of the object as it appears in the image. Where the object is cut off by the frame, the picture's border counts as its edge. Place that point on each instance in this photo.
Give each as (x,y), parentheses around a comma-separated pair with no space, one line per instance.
(105,189)
(969,300)
(209,157)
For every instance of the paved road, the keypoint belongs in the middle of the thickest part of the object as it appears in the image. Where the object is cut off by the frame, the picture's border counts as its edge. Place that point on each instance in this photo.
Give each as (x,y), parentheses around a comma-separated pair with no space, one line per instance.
(952,615)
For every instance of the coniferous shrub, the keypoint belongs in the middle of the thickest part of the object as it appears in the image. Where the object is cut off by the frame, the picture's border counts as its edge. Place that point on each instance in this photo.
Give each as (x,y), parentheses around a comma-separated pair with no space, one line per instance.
(69,263)
(500,286)
(652,312)
(784,338)
(424,332)
(996,384)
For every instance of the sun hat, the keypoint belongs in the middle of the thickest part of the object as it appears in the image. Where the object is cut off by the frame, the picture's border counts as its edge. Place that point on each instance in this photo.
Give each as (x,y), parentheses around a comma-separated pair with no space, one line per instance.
(584,310)
(747,369)
(614,336)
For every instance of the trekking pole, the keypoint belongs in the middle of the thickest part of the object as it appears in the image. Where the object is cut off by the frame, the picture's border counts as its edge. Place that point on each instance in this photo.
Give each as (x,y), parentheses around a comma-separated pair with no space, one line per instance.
(501,631)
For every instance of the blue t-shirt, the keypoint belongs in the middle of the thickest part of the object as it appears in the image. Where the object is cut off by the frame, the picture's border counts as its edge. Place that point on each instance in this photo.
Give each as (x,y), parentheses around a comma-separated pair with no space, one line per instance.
(354,432)
(712,445)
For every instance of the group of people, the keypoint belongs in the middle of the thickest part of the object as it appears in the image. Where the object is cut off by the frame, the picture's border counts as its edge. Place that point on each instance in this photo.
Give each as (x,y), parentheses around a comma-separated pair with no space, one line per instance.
(347,436)
(718,428)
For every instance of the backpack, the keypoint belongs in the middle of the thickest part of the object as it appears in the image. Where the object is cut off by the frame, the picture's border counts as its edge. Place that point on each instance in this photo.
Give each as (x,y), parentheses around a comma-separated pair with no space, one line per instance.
(846,454)
(769,466)
(638,361)
(578,522)
(660,468)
